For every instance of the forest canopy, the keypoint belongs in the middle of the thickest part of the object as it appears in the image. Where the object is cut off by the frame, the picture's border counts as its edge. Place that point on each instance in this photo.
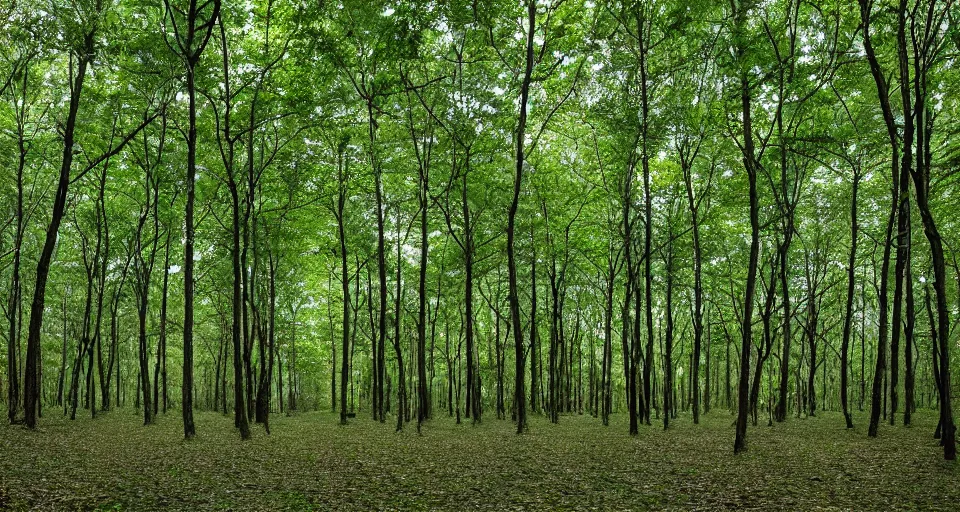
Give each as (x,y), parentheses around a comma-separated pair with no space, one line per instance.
(484,209)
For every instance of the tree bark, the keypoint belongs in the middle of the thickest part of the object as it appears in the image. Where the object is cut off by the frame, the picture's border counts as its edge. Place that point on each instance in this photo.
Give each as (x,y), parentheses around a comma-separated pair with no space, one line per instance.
(31,380)
(191,45)
(750,164)
(514,299)
(848,314)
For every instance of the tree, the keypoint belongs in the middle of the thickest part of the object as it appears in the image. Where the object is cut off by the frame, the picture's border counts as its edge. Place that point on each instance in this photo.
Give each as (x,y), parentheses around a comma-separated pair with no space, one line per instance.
(82,34)
(21,90)
(747,147)
(190,33)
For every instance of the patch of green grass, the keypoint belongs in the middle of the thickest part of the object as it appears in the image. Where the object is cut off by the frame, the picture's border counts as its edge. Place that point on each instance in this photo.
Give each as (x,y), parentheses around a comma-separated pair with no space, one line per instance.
(309,462)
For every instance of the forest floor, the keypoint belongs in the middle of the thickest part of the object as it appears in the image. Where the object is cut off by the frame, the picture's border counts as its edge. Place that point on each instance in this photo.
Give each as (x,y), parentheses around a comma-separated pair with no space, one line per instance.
(310,462)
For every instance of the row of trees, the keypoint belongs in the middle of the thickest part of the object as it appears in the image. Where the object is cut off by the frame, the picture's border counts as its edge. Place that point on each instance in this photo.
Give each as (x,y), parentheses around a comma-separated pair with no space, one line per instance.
(554,207)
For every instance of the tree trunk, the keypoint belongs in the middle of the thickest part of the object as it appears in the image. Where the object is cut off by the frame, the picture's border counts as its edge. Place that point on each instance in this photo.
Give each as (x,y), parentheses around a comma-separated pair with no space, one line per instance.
(14,306)
(401,376)
(668,397)
(534,341)
(345,282)
(265,383)
(422,383)
(473,384)
(31,380)
(750,163)
(514,299)
(848,315)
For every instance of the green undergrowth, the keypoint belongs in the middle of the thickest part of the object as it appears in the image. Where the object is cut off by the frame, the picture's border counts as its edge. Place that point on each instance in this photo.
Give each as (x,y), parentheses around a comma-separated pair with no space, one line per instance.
(310,462)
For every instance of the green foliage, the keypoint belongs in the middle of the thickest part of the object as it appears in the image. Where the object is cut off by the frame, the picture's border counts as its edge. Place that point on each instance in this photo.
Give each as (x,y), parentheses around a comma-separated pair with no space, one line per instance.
(332,95)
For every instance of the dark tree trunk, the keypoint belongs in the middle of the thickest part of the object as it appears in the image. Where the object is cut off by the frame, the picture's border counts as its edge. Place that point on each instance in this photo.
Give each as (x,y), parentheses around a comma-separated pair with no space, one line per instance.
(83,342)
(14,305)
(292,368)
(909,324)
(629,338)
(607,358)
(265,383)
(238,333)
(813,323)
(668,396)
(893,135)
(750,163)
(333,353)
(763,351)
(239,406)
(163,326)
(534,341)
(647,221)
(514,299)
(473,381)
(345,282)
(189,430)
(697,307)
(708,389)
(401,374)
(31,380)
(848,314)
(143,272)
(160,365)
(900,269)
(921,180)
(381,261)
(63,358)
(423,396)
(191,37)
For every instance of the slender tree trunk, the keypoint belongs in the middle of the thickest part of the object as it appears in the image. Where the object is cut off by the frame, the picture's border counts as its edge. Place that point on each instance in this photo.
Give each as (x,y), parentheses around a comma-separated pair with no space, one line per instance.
(902,258)
(345,282)
(707,390)
(763,352)
(14,306)
(848,315)
(908,331)
(629,339)
(381,251)
(423,395)
(63,357)
(534,341)
(514,299)
(265,382)
(31,380)
(892,133)
(692,206)
(162,349)
(607,358)
(812,326)
(239,406)
(143,272)
(473,384)
(921,180)
(189,430)
(750,163)
(191,37)
(401,377)
(647,220)
(668,397)
(292,368)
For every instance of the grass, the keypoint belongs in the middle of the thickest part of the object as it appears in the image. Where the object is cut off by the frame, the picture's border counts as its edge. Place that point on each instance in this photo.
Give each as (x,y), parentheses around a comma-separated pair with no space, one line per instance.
(310,462)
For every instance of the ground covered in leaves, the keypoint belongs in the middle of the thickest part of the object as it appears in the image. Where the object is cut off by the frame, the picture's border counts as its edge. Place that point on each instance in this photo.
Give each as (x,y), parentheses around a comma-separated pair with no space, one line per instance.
(310,462)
